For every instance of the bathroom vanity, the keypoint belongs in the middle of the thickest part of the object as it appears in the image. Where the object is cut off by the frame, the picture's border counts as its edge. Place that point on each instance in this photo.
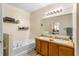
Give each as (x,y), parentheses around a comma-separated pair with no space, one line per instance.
(56,35)
(54,47)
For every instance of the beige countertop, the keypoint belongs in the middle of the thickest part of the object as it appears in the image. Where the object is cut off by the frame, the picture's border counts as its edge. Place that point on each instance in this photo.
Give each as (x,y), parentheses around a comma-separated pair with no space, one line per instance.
(57,41)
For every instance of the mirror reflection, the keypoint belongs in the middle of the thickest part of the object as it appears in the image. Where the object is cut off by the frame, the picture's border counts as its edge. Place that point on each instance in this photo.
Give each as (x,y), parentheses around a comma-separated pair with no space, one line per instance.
(58,25)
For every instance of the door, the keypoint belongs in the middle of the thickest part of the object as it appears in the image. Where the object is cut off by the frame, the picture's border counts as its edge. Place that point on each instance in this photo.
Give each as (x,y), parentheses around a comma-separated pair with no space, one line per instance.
(53,49)
(44,48)
(1,40)
(6,44)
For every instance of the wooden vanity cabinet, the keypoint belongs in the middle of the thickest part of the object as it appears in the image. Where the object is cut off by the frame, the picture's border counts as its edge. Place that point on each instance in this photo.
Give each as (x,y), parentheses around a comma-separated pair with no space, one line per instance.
(44,48)
(53,49)
(38,47)
(60,50)
(66,51)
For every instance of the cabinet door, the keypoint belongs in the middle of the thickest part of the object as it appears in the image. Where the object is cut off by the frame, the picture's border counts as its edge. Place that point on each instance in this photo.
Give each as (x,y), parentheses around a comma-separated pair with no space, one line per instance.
(44,48)
(66,51)
(38,45)
(53,49)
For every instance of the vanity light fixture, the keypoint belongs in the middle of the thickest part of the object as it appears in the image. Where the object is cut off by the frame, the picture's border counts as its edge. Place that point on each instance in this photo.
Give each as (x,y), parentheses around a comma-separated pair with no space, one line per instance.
(54,12)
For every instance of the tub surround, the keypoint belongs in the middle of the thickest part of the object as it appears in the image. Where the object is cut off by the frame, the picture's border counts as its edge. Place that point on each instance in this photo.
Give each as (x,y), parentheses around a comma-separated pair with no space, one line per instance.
(54,47)
(21,48)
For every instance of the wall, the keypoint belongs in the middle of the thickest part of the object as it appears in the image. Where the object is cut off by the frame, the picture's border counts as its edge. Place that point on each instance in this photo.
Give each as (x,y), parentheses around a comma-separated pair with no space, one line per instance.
(64,20)
(12,29)
(1,44)
(38,15)
(77,41)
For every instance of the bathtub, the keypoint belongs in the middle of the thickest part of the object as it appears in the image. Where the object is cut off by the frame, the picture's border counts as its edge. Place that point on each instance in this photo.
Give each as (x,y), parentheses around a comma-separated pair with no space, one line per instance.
(22,48)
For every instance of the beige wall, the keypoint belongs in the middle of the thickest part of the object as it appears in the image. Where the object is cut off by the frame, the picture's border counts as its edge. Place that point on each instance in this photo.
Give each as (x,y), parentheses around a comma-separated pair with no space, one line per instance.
(12,29)
(38,15)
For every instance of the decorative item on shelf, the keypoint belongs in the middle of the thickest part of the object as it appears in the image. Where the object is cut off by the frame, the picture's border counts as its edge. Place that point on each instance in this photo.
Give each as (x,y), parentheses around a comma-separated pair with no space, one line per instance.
(10,20)
(23,28)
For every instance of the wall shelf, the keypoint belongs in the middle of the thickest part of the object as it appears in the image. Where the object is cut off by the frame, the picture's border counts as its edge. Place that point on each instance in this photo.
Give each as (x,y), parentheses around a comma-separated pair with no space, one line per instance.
(23,28)
(10,20)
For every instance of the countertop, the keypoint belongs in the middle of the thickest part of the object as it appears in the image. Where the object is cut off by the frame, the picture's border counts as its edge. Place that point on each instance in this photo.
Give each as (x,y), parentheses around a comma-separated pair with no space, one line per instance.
(57,41)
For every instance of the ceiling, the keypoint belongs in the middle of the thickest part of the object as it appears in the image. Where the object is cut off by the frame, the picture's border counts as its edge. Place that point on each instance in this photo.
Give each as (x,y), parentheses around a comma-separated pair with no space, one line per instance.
(30,7)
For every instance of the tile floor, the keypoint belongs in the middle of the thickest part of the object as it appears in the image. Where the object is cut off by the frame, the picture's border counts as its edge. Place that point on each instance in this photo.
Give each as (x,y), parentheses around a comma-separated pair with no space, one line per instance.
(32,53)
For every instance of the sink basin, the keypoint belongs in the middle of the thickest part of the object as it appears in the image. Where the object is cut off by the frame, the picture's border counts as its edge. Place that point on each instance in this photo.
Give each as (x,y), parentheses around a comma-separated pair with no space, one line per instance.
(60,40)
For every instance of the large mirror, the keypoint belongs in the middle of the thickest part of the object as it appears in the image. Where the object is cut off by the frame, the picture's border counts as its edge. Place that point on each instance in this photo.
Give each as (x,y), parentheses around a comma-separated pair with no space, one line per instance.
(58,25)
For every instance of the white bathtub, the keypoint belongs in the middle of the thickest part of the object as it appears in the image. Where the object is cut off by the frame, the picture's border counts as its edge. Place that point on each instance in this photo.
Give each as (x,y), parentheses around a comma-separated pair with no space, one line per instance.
(23,47)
